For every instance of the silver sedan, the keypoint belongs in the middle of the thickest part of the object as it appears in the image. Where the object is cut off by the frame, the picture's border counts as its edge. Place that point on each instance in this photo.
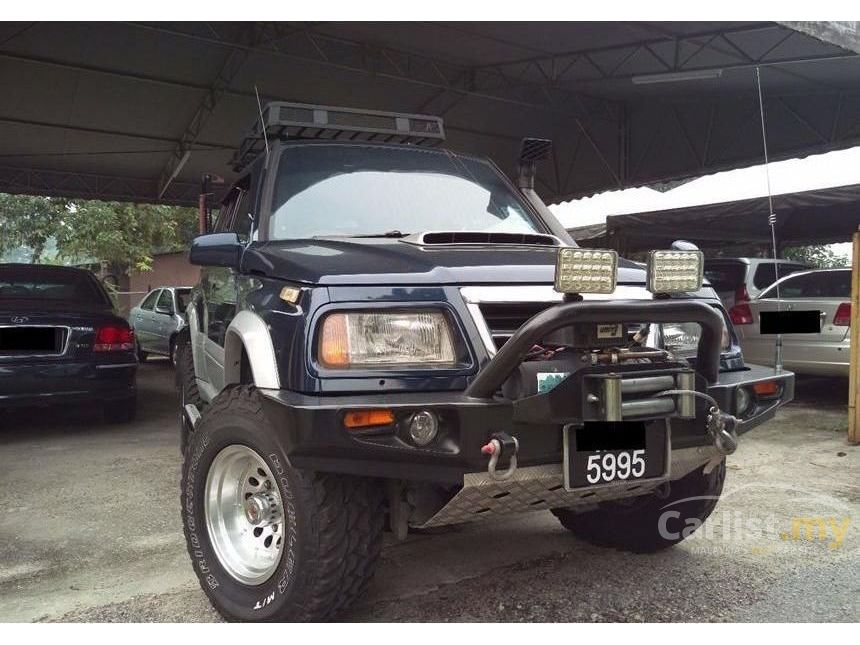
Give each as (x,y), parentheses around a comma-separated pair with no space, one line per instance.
(157,320)
(823,354)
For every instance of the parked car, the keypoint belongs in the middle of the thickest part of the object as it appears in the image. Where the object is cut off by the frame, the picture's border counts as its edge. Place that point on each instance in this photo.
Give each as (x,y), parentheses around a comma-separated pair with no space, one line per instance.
(824,354)
(742,279)
(158,319)
(61,341)
(390,332)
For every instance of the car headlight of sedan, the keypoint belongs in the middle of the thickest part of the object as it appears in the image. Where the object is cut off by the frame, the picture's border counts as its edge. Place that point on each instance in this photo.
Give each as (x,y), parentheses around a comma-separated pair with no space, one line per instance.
(386,338)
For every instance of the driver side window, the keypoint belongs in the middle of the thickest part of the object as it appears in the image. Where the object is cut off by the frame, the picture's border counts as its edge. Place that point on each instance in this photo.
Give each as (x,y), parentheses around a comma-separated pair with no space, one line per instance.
(222,222)
(235,213)
(149,302)
(241,223)
(165,301)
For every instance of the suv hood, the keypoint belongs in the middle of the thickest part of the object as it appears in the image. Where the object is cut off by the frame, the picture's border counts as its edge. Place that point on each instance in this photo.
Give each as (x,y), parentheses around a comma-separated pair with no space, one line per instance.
(383,261)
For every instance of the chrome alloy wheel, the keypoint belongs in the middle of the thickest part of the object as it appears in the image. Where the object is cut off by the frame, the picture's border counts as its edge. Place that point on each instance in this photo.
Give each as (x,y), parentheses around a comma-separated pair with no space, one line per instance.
(244,514)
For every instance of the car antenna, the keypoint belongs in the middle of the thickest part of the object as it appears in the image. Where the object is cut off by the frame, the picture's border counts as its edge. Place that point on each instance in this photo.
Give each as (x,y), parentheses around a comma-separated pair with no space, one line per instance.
(262,126)
(771,218)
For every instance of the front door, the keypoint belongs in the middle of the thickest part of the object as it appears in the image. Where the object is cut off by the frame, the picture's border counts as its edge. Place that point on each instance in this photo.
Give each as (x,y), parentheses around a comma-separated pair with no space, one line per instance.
(219,290)
(143,321)
(163,322)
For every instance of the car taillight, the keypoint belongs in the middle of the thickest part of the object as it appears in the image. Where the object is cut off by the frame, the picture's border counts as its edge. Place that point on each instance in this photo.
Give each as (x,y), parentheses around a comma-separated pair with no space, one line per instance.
(741,294)
(114,338)
(741,315)
(843,315)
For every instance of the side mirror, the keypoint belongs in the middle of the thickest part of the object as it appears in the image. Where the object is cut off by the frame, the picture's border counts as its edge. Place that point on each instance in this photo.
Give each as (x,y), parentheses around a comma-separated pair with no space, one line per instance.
(166,311)
(216,250)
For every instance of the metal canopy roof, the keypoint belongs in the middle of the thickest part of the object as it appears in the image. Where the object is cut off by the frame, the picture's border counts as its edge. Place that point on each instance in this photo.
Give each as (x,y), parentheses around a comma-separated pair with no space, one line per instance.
(810,217)
(136,111)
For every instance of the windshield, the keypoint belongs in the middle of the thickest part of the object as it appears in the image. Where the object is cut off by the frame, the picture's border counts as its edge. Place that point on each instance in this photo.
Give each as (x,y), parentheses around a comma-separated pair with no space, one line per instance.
(344,190)
(46,283)
(817,284)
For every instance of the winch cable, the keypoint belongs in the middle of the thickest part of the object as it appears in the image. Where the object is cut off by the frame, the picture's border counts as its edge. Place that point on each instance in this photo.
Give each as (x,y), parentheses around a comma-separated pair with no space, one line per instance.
(722,427)
(771,216)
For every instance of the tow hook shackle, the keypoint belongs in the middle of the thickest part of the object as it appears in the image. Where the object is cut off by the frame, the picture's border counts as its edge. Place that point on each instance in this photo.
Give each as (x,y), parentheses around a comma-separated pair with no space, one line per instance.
(501,444)
(723,429)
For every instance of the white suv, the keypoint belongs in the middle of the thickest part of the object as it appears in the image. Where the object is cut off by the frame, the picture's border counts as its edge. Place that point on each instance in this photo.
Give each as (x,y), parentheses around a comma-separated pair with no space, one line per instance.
(742,279)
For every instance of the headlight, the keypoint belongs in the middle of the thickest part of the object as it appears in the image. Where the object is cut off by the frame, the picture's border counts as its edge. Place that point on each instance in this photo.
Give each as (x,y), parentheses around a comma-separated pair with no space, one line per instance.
(361,339)
(675,271)
(682,339)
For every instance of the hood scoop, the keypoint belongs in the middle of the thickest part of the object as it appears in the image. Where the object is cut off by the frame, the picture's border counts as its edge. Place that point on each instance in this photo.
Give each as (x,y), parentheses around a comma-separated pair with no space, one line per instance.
(449,238)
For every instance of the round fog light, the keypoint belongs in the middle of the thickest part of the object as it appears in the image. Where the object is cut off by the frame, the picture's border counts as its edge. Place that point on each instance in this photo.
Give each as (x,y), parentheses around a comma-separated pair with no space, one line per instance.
(423,427)
(743,401)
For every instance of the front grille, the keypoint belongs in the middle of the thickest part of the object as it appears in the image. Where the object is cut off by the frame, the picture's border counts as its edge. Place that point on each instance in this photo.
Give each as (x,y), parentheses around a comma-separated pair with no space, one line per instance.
(503,319)
(29,340)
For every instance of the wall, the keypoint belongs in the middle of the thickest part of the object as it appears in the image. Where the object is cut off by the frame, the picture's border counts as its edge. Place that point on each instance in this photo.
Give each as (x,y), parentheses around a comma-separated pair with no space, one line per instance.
(169,269)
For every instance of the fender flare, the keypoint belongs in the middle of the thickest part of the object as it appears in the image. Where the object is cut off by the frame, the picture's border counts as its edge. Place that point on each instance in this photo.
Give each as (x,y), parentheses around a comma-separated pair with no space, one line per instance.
(250,332)
(194,326)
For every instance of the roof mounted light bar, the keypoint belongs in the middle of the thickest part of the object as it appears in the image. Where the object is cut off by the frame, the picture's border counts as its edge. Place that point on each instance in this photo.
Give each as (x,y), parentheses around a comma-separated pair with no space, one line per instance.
(300,121)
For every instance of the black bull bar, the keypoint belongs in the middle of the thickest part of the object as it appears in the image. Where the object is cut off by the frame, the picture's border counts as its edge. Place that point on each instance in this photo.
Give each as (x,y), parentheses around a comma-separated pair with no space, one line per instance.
(513,352)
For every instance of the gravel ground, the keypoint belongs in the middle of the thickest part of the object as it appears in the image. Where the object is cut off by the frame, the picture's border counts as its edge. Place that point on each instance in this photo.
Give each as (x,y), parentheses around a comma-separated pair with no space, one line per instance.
(108,544)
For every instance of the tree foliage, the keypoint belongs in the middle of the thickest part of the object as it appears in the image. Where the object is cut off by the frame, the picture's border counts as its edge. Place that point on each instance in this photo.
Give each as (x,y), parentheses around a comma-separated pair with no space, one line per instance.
(819,256)
(119,236)
(124,236)
(29,222)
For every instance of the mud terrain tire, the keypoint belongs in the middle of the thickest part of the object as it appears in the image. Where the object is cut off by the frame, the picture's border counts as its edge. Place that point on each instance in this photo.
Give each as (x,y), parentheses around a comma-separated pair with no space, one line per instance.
(331,529)
(635,524)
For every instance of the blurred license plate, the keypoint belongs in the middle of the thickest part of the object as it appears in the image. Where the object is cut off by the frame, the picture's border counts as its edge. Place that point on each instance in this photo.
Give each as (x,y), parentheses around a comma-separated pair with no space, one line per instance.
(28,340)
(603,453)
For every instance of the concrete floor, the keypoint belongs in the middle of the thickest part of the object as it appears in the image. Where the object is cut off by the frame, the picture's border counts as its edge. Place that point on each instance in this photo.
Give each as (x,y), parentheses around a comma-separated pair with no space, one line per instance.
(90,531)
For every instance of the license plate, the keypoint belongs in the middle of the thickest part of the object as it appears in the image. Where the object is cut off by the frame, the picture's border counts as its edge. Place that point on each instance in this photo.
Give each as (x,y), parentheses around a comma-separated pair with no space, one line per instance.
(28,340)
(604,453)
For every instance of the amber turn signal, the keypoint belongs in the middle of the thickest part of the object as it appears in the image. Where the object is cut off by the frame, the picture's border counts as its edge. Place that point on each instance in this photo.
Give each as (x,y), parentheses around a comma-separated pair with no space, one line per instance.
(334,343)
(767,388)
(367,418)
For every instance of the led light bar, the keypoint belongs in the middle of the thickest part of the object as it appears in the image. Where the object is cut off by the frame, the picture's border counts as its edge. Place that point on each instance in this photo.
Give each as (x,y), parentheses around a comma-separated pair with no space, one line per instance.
(586,270)
(675,271)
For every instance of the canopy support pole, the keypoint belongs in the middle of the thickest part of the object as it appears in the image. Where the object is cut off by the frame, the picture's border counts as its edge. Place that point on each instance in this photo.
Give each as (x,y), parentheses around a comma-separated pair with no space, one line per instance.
(854,374)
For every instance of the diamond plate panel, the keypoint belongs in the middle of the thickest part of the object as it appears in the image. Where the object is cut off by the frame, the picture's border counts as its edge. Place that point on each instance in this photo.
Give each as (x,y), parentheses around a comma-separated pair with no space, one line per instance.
(537,488)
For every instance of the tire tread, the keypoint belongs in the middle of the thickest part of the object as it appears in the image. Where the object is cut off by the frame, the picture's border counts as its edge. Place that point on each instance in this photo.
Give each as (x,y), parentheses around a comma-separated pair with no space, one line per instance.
(634,528)
(346,527)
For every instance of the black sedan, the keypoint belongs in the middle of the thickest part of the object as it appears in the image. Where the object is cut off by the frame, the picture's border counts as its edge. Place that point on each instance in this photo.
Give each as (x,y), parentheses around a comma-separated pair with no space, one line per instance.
(61,342)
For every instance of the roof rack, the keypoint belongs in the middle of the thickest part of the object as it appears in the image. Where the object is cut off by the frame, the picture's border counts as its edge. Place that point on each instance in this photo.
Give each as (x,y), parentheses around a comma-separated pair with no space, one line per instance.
(300,121)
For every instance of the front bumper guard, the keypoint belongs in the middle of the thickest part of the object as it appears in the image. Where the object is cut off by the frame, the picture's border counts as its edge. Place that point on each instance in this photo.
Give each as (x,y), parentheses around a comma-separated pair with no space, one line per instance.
(315,438)
(513,352)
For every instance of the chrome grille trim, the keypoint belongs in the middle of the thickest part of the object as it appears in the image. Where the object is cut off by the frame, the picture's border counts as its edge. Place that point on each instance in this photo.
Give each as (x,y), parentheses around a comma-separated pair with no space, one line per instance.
(544,293)
(474,296)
